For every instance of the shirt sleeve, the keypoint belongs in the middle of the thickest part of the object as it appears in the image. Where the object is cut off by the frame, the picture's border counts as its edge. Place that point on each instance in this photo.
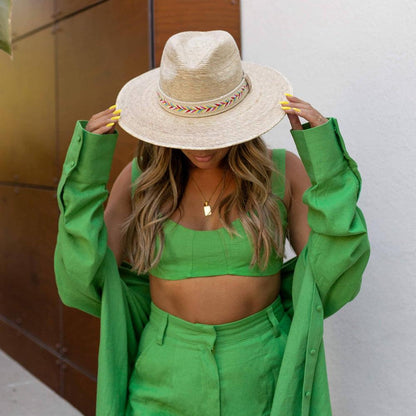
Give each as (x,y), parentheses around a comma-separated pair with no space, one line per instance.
(81,254)
(338,249)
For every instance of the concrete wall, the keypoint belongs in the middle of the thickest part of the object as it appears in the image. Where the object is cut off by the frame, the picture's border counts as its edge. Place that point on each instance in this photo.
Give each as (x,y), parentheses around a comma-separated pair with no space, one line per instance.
(356,61)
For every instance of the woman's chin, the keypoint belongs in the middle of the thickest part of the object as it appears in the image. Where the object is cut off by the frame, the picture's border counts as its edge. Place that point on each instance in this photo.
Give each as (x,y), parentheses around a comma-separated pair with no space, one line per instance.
(206,159)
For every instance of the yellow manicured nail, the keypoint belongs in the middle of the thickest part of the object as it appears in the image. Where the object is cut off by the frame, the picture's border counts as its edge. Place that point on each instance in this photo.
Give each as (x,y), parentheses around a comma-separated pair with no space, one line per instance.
(284,102)
(288,95)
(109,124)
(113,106)
(115,118)
(296,109)
(117,112)
(286,108)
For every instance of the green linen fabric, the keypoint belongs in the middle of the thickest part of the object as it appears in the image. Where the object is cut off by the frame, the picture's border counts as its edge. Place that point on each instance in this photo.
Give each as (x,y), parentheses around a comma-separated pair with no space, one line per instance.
(192,369)
(324,277)
(192,253)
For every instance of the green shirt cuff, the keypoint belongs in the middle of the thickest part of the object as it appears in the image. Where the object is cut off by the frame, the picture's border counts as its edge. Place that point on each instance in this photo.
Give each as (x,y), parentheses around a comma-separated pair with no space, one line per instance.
(322,150)
(89,155)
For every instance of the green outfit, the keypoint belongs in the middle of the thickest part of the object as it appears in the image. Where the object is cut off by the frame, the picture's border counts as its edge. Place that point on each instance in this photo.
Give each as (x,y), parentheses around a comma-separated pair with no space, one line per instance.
(192,253)
(187,369)
(324,277)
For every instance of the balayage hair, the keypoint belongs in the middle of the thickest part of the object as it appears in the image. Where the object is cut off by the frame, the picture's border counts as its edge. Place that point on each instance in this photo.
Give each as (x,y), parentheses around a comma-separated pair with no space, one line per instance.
(159,191)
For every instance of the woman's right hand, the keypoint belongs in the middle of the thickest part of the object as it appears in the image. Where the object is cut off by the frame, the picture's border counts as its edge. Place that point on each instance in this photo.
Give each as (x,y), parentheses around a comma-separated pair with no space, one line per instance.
(104,122)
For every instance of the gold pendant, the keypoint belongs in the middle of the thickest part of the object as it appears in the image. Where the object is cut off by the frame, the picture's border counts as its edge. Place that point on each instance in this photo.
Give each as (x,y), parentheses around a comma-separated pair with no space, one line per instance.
(207,209)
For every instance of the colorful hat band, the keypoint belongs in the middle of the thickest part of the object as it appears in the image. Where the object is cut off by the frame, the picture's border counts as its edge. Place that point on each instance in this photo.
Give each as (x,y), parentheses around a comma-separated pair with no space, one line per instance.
(206,108)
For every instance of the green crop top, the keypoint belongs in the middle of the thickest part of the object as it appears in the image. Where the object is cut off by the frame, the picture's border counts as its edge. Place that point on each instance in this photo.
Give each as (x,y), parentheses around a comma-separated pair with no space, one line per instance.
(193,253)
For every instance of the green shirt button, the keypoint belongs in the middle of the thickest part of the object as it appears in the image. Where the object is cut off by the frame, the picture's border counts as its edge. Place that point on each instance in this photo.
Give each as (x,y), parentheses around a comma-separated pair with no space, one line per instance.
(312,351)
(308,394)
(72,163)
(78,138)
(318,308)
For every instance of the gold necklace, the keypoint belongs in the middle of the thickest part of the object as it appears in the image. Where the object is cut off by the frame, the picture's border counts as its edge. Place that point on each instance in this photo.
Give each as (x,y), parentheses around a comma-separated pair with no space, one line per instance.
(207,206)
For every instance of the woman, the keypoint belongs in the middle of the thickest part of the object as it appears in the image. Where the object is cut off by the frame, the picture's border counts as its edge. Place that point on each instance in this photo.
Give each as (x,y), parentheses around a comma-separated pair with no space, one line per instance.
(202,213)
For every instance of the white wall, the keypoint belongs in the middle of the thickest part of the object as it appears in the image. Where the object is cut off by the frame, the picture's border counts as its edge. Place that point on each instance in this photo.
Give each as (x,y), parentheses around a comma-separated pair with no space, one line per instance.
(356,60)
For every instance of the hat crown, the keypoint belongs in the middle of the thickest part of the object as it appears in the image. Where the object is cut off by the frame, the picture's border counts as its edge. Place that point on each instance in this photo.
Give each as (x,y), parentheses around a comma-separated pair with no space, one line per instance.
(199,66)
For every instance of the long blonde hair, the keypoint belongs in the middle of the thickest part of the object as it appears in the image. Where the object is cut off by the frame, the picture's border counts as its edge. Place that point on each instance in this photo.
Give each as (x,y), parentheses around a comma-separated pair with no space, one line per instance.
(159,191)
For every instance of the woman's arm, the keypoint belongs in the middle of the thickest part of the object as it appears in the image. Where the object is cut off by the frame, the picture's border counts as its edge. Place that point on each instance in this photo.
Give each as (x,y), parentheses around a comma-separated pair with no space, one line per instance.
(82,256)
(117,211)
(298,182)
(337,247)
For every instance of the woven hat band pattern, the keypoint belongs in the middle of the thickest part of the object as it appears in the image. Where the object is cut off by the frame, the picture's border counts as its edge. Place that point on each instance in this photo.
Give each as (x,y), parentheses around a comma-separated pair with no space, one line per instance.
(206,108)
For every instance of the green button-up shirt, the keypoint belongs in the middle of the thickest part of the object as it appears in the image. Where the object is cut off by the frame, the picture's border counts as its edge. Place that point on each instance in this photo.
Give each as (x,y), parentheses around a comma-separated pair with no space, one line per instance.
(325,276)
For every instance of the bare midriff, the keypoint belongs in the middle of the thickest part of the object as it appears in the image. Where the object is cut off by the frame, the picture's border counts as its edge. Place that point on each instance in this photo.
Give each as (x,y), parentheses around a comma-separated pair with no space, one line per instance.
(214,300)
(211,300)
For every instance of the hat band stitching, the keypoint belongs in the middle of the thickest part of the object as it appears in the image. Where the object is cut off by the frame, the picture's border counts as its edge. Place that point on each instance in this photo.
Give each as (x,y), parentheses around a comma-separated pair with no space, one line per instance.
(206,108)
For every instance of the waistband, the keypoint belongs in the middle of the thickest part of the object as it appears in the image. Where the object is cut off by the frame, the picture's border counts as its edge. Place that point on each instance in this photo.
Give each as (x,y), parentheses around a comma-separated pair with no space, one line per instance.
(169,325)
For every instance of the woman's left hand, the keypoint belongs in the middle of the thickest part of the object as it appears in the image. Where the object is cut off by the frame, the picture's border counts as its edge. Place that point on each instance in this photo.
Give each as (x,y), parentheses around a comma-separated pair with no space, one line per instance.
(294,107)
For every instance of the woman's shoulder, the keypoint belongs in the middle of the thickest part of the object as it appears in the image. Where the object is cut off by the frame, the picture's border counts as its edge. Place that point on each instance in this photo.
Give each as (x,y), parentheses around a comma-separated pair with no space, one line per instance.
(122,185)
(125,174)
(291,168)
(296,175)
(286,159)
(291,160)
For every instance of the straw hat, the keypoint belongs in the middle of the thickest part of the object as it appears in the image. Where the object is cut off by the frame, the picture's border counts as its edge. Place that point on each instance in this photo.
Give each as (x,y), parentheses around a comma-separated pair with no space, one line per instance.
(203,96)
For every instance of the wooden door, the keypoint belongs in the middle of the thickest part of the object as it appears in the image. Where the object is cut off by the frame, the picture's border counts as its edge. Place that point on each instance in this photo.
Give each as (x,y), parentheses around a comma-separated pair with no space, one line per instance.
(71,57)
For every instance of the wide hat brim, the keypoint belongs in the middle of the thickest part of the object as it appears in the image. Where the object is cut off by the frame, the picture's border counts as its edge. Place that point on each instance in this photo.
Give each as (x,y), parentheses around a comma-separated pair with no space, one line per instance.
(143,117)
